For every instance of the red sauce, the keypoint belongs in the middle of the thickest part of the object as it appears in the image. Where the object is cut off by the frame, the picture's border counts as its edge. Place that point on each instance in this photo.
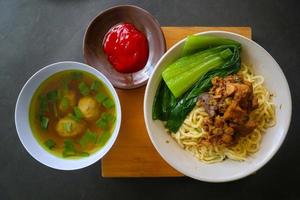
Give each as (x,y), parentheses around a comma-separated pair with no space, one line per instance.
(126,48)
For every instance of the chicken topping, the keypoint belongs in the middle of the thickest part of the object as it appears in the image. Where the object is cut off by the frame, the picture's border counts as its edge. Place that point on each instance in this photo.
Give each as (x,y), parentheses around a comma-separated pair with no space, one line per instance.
(228,103)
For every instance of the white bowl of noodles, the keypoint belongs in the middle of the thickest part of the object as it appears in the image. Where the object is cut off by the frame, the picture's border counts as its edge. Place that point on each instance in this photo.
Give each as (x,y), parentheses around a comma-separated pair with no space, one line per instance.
(263,64)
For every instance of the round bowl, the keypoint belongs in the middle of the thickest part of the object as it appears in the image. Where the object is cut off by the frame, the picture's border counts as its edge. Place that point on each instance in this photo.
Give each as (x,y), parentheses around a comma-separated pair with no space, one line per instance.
(101,24)
(22,118)
(264,64)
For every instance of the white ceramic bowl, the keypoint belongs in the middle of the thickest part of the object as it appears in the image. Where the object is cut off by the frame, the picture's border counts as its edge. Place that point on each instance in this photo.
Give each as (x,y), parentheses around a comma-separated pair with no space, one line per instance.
(183,161)
(23,126)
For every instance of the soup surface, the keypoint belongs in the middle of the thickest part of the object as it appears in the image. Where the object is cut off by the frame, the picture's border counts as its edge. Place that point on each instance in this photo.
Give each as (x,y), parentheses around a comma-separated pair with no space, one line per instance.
(72,114)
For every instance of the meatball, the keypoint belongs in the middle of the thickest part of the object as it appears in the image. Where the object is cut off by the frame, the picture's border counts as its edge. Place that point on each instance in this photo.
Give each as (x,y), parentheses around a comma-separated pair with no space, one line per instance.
(68,101)
(67,127)
(89,108)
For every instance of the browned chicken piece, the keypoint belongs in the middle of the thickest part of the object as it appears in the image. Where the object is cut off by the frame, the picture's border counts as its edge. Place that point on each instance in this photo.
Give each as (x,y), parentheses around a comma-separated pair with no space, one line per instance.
(247,128)
(219,122)
(230,88)
(226,138)
(229,130)
(234,112)
(228,103)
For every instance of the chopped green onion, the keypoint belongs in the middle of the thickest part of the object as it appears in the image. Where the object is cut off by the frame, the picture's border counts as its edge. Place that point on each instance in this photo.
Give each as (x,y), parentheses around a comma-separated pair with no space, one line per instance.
(49,143)
(69,149)
(76,75)
(103,138)
(52,96)
(78,113)
(69,145)
(107,117)
(68,127)
(68,153)
(72,116)
(43,104)
(102,123)
(84,89)
(87,138)
(65,84)
(64,103)
(108,103)
(104,120)
(100,97)
(95,85)
(44,122)
(83,154)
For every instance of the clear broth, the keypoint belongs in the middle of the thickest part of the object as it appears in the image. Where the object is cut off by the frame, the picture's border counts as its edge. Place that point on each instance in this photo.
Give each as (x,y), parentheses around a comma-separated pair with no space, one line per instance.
(57,82)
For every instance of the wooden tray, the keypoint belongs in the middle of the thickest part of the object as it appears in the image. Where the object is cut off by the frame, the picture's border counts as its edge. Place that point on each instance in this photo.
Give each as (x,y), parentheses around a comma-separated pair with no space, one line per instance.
(133,154)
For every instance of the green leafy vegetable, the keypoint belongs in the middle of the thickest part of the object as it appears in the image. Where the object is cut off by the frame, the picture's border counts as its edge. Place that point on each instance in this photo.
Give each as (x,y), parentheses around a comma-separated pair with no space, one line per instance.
(180,83)
(95,85)
(108,103)
(84,89)
(186,63)
(100,97)
(44,122)
(198,43)
(164,101)
(50,144)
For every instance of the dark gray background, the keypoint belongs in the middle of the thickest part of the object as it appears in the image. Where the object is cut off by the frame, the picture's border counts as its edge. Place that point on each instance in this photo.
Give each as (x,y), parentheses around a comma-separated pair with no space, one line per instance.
(35,33)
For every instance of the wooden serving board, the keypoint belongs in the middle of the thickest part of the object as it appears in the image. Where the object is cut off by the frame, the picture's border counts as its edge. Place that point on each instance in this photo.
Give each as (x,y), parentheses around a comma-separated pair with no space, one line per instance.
(133,154)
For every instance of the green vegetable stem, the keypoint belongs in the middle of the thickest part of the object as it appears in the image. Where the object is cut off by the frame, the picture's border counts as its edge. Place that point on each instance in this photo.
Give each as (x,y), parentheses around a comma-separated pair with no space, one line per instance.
(198,43)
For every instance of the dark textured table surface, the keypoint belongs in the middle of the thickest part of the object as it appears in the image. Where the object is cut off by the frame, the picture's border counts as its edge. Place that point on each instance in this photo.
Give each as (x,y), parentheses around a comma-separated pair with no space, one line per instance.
(35,33)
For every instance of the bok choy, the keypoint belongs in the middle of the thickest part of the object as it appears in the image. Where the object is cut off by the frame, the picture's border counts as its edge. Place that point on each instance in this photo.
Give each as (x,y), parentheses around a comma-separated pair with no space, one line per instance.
(185,79)
(180,82)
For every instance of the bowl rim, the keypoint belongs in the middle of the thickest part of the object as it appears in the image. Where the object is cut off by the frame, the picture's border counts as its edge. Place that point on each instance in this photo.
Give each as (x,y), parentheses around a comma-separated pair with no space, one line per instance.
(155,21)
(113,137)
(255,167)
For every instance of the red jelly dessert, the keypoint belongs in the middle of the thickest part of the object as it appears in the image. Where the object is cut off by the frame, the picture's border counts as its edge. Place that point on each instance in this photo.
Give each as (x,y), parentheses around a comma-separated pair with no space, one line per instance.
(126,48)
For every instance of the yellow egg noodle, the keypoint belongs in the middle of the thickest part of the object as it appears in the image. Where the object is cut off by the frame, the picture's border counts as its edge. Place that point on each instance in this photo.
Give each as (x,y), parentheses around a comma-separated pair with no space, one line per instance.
(191,132)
